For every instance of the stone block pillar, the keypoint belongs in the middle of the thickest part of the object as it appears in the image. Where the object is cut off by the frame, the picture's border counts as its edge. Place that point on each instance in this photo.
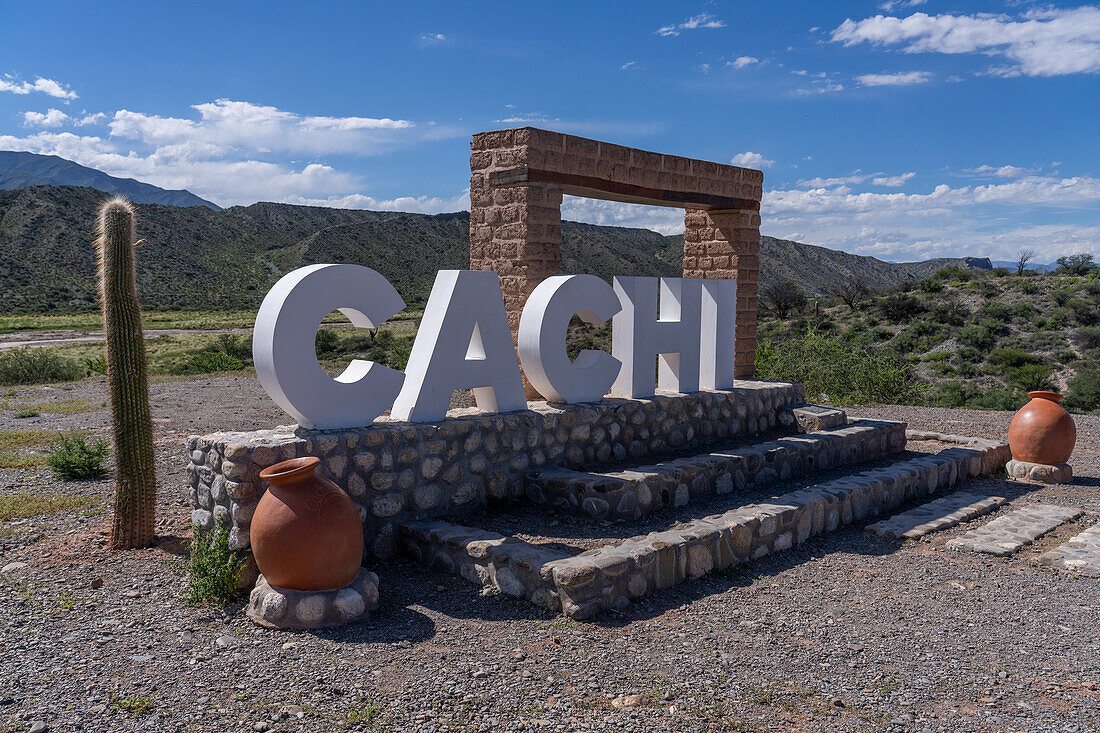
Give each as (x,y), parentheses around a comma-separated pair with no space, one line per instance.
(725,243)
(515,228)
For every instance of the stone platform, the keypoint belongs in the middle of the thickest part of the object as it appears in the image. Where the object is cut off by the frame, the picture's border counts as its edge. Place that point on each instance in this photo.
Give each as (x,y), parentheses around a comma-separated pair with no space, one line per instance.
(397,472)
(1059,473)
(283,608)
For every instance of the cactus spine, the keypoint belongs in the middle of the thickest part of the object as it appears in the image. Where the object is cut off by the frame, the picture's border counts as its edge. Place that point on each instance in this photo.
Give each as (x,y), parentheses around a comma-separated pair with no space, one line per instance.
(136,490)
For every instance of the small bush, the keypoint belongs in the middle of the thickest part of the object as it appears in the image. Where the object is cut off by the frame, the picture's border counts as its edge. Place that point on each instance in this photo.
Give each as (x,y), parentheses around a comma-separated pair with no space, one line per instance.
(30,365)
(954,273)
(1028,287)
(214,570)
(977,336)
(27,413)
(1031,377)
(844,372)
(1087,337)
(1084,311)
(930,286)
(1010,358)
(1084,389)
(900,307)
(73,459)
(207,362)
(96,365)
(326,341)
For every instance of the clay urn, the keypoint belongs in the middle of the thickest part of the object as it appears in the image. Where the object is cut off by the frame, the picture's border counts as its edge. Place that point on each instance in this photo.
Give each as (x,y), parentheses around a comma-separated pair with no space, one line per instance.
(1042,431)
(306,533)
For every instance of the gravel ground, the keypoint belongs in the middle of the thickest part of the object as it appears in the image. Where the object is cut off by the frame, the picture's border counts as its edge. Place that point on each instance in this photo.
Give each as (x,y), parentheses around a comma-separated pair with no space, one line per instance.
(846,632)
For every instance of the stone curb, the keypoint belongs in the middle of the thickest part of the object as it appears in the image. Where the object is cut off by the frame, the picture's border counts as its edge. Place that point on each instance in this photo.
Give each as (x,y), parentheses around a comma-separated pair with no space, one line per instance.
(632,493)
(1009,532)
(1080,555)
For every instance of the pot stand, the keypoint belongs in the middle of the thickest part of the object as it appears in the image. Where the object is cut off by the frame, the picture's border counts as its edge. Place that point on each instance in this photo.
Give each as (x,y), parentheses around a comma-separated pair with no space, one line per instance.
(283,608)
(1042,473)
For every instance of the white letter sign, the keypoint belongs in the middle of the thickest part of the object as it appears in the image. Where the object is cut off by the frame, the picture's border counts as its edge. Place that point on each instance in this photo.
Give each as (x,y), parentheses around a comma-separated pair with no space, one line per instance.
(716,333)
(463,342)
(541,339)
(641,333)
(283,345)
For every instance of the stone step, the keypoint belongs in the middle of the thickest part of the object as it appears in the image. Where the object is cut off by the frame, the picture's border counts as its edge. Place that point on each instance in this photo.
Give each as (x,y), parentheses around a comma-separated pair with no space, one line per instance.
(632,493)
(962,506)
(1007,534)
(609,577)
(1080,555)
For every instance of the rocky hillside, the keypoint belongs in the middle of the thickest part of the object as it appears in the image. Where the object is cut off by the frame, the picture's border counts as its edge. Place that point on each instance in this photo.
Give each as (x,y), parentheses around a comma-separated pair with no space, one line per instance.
(200,258)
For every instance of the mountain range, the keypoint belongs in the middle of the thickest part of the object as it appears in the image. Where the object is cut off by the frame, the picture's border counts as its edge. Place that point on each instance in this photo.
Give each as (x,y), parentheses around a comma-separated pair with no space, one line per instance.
(18,169)
(201,257)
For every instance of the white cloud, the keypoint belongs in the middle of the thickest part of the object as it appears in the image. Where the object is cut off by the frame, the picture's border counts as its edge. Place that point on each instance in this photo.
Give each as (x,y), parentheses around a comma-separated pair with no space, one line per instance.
(890,5)
(416,204)
(612,213)
(432,39)
(893,181)
(1004,171)
(1048,42)
(693,23)
(749,159)
(855,177)
(978,221)
(628,65)
(45,86)
(742,61)
(91,119)
(227,124)
(901,78)
(52,118)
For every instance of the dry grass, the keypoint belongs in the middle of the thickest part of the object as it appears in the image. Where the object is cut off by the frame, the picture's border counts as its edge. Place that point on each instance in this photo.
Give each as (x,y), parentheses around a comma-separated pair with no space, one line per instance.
(24,504)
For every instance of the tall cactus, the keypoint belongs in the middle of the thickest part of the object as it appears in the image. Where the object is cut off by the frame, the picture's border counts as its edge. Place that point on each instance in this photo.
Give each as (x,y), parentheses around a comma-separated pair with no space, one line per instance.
(136,490)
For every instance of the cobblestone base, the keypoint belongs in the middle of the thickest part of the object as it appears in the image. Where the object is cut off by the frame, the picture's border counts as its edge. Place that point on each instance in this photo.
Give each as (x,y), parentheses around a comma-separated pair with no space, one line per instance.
(397,471)
(1007,534)
(282,608)
(610,577)
(638,491)
(935,515)
(1080,555)
(1059,473)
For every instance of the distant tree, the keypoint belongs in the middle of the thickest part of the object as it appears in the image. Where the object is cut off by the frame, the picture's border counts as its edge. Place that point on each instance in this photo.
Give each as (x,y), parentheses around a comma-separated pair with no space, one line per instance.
(1078,264)
(783,298)
(851,290)
(1025,256)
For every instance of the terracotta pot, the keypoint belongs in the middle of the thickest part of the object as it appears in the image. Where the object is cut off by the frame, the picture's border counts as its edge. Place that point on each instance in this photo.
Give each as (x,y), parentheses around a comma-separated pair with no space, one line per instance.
(1042,431)
(306,533)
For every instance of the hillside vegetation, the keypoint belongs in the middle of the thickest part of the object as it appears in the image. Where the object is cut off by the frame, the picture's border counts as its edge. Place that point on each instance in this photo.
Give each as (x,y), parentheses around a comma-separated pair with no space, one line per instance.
(961,338)
(200,259)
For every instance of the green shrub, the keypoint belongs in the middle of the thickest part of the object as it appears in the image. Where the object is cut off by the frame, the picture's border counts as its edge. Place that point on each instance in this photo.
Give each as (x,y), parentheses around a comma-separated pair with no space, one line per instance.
(969,394)
(843,371)
(207,362)
(30,365)
(1078,264)
(95,365)
(326,341)
(936,356)
(1031,377)
(950,311)
(1084,311)
(900,307)
(979,337)
(1009,358)
(1028,287)
(954,273)
(1084,390)
(1088,337)
(27,413)
(214,570)
(73,459)
(930,286)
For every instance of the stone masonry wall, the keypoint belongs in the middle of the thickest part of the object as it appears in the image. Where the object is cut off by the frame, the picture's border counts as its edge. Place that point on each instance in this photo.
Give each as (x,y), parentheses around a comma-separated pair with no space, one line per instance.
(518,176)
(396,471)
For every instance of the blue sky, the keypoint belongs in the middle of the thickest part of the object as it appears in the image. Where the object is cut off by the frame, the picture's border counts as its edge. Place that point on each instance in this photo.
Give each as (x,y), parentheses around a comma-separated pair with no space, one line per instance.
(901,129)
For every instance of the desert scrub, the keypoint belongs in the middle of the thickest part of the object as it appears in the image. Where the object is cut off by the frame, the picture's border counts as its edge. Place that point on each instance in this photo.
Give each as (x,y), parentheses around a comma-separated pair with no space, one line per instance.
(215,570)
(75,459)
(842,371)
(24,448)
(37,366)
(1084,390)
